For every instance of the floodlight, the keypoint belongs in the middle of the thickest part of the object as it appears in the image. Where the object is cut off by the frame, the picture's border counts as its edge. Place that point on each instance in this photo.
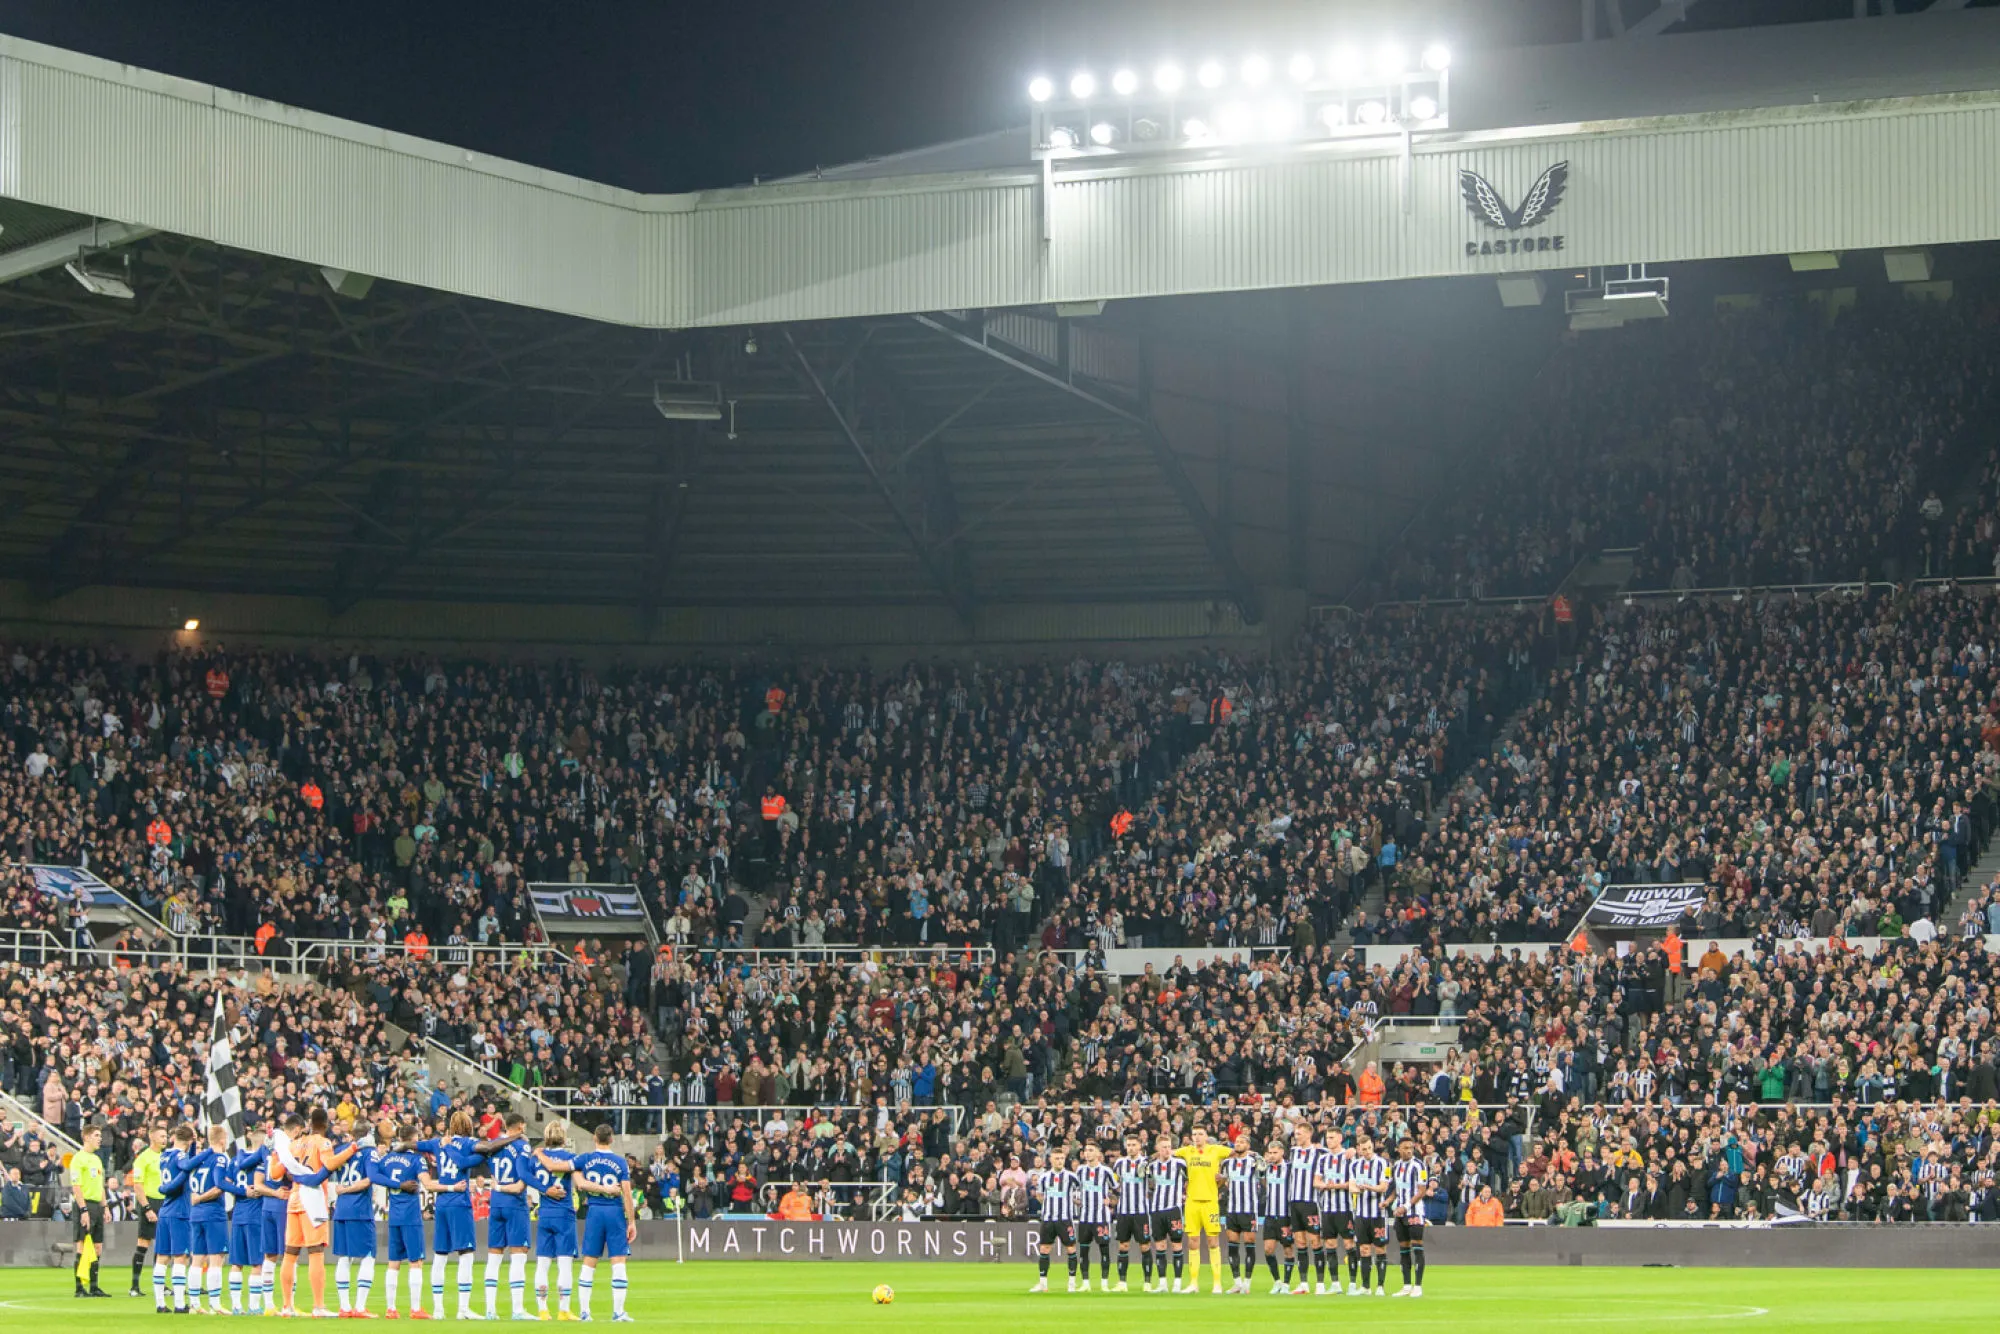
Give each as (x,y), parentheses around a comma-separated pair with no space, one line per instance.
(1168,79)
(1371,113)
(1040,89)
(191,623)
(1233,121)
(1082,84)
(1196,129)
(1062,137)
(1256,71)
(1103,133)
(1333,115)
(1423,108)
(1146,130)
(1390,61)
(1124,83)
(1437,58)
(1211,74)
(1347,65)
(1300,68)
(688,400)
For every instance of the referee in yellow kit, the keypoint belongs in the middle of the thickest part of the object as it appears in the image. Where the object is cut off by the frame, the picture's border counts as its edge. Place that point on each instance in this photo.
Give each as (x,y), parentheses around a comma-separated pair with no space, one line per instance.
(146,1197)
(86,1184)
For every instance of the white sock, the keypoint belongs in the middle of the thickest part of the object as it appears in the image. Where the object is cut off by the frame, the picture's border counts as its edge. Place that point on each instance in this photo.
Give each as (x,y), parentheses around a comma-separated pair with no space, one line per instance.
(617,1287)
(517,1281)
(215,1284)
(159,1282)
(253,1278)
(389,1288)
(417,1286)
(437,1286)
(465,1281)
(343,1274)
(565,1279)
(235,1288)
(367,1282)
(583,1291)
(180,1274)
(493,1259)
(541,1283)
(270,1283)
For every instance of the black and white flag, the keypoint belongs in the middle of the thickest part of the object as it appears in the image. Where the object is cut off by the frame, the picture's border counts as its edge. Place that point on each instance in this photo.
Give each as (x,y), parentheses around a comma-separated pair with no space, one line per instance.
(222,1104)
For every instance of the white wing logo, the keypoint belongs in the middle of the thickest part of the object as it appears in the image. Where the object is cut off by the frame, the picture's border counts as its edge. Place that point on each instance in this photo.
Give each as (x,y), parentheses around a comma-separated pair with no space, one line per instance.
(1485,203)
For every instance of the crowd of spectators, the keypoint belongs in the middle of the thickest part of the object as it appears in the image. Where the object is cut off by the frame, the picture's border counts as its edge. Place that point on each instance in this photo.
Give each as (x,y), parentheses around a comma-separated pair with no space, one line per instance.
(1772,445)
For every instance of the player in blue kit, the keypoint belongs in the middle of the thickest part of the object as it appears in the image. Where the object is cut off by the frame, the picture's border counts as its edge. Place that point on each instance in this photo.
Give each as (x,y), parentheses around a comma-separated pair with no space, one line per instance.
(274,1194)
(171,1242)
(507,1222)
(455,1155)
(398,1171)
(246,1229)
(208,1219)
(353,1218)
(610,1219)
(555,1222)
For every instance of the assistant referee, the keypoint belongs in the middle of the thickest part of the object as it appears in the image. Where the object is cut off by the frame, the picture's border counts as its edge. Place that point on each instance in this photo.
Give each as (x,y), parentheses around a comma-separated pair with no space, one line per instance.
(86,1183)
(145,1180)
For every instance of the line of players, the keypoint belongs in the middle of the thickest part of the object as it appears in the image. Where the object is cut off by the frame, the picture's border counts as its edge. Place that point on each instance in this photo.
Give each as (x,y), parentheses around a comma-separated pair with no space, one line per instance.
(1309,1206)
(241,1213)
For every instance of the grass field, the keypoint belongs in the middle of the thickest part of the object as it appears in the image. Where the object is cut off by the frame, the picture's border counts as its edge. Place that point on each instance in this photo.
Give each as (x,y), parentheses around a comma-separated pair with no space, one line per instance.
(835,1296)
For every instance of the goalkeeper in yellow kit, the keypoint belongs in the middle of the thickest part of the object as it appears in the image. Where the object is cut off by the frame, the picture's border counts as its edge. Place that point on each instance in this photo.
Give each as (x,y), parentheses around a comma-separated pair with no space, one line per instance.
(1204,1223)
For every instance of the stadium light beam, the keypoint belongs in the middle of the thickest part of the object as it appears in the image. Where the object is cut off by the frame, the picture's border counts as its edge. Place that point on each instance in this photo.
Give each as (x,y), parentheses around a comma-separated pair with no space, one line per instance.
(1040,89)
(1437,58)
(1125,83)
(1256,71)
(1082,84)
(1211,74)
(1301,68)
(1169,79)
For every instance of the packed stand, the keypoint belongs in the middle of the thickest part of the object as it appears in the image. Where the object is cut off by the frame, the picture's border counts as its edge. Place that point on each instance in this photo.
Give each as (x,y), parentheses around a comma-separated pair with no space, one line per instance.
(1748,447)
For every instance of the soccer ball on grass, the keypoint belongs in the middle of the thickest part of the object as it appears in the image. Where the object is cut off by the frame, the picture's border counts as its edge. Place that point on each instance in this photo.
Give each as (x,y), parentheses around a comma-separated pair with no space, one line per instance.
(884,1294)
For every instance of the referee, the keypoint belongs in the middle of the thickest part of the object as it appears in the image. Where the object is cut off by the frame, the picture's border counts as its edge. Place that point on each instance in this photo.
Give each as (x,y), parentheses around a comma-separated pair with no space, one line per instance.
(145,1181)
(86,1183)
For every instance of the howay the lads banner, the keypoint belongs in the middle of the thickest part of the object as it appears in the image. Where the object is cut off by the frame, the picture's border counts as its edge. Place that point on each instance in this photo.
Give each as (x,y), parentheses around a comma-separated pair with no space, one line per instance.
(1641,907)
(607,910)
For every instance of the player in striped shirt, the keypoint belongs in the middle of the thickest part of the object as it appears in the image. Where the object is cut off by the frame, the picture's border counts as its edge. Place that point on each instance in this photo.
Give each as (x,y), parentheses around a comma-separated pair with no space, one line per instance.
(1412,1184)
(1368,1187)
(1055,1189)
(1336,1211)
(1274,1211)
(1305,1166)
(1135,1218)
(1096,1201)
(1166,1181)
(1242,1180)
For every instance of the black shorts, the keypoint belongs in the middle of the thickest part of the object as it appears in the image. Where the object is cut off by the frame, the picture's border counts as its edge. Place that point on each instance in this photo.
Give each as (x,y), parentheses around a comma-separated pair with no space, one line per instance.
(1410,1231)
(1340,1226)
(1051,1233)
(1168,1225)
(1239,1223)
(1086,1233)
(1278,1230)
(1134,1227)
(1368,1231)
(1305,1217)
(90,1223)
(148,1225)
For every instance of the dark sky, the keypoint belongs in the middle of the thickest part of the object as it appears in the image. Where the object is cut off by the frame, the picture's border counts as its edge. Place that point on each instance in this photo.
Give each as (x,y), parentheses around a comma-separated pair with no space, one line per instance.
(683,94)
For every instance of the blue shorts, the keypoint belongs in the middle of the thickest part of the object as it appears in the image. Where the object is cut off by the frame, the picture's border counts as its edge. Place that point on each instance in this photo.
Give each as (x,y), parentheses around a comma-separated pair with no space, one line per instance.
(406,1242)
(451,1231)
(209,1236)
(171,1237)
(274,1229)
(506,1231)
(604,1234)
(555,1233)
(246,1242)
(353,1238)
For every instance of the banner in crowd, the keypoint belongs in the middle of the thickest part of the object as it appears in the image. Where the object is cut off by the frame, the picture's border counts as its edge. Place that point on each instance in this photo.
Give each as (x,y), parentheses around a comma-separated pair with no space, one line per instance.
(73,884)
(610,910)
(1641,907)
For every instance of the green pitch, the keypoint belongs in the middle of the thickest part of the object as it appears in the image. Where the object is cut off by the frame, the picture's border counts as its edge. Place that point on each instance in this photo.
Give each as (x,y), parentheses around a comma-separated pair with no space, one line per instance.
(835,1296)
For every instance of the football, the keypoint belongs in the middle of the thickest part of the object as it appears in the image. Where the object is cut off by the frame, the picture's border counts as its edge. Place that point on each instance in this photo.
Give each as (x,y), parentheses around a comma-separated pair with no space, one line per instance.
(884,1294)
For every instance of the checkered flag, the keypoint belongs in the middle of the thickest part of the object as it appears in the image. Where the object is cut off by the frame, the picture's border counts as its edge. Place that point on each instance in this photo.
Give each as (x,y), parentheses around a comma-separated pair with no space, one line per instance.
(222,1104)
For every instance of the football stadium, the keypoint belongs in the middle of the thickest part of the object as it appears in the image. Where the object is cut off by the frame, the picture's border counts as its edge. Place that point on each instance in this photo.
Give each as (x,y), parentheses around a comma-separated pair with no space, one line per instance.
(1345,671)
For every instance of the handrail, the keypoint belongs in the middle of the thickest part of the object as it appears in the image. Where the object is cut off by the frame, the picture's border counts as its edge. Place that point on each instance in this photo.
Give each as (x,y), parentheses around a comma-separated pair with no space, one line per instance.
(47,1129)
(884,954)
(901,1110)
(431,1044)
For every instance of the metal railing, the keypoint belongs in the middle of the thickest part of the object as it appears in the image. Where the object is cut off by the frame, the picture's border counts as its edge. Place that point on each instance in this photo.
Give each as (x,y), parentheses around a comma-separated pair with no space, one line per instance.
(886,955)
(314,951)
(13,1109)
(572,1103)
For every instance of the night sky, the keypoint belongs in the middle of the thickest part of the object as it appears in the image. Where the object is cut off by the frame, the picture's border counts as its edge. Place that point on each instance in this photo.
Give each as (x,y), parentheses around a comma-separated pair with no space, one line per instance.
(685,94)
